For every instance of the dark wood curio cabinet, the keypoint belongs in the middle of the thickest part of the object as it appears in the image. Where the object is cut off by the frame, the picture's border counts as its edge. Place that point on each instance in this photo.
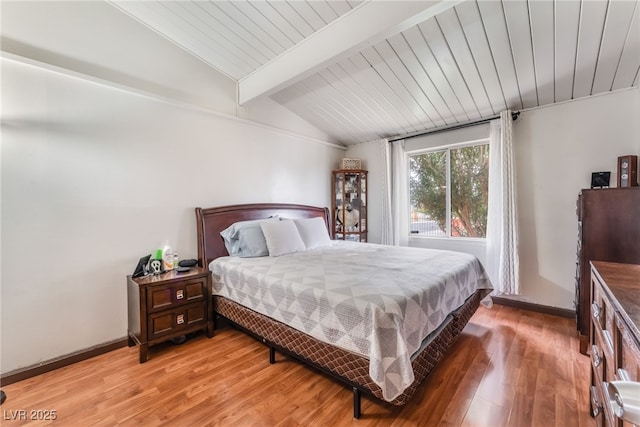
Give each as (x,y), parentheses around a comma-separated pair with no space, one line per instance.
(349,204)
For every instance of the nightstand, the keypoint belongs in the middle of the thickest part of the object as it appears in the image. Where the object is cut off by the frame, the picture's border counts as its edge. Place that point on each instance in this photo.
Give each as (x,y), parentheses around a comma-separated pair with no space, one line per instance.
(168,305)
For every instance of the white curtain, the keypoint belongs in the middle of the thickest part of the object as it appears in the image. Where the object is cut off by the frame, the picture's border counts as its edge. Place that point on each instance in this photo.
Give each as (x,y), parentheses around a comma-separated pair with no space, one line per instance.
(502,228)
(395,227)
(387,222)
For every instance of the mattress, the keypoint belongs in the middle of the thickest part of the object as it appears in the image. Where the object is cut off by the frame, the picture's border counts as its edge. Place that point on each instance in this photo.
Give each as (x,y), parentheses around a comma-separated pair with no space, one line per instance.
(377,301)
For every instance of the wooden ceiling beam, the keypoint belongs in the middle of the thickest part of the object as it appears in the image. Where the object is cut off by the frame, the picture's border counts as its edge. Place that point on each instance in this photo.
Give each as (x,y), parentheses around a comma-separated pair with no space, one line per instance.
(363,26)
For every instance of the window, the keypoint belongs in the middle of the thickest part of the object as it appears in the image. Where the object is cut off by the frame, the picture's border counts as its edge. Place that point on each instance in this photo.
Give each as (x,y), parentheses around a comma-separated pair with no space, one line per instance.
(448,191)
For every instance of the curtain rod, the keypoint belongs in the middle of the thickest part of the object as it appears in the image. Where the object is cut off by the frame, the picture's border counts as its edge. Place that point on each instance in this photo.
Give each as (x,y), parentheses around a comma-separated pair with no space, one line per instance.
(514,117)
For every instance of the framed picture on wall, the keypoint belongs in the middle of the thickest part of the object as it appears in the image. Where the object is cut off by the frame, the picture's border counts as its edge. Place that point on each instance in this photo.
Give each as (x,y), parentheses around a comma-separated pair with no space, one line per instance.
(600,179)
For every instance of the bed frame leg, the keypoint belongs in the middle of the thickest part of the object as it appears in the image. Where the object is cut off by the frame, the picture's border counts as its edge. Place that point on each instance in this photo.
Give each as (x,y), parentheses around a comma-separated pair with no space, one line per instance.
(356,403)
(272,355)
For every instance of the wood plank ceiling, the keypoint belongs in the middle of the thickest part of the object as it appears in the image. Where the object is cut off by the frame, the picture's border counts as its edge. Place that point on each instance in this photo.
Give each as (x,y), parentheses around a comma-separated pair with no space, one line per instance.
(471,60)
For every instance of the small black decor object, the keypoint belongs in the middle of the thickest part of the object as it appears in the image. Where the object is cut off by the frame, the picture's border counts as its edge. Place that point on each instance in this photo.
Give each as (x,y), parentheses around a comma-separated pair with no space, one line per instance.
(187,263)
(3,397)
(141,268)
(600,179)
(180,339)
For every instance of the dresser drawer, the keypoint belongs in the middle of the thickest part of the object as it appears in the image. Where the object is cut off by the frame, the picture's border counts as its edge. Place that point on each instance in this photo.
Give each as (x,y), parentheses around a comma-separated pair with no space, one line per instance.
(629,356)
(597,407)
(170,295)
(603,316)
(178,319)
(614,314)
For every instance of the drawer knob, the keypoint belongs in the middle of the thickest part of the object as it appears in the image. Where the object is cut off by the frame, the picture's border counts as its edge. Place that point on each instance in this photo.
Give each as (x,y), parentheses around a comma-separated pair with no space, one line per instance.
(624,400)
(620,405)
(180,319)
(595,310)
(596,407)
(179,294)
(596,356)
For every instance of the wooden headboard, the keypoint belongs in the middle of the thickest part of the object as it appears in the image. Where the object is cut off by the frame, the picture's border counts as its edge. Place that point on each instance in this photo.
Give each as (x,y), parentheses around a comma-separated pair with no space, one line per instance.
(211,221)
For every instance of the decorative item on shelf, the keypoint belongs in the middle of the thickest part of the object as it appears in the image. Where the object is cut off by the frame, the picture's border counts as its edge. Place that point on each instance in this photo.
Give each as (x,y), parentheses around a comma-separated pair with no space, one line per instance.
(178,265)
(351,164)
(628,171)
(351,217)
(156,266)
(142,269)
(167,256)
(600,179)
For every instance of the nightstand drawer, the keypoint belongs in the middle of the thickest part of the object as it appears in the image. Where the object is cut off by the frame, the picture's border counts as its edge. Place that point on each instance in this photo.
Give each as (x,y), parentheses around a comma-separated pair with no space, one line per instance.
(166,296)
(171,321)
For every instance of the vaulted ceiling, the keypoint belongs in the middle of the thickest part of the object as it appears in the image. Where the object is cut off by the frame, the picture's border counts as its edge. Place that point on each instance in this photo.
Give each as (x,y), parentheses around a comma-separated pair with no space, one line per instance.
(364,70)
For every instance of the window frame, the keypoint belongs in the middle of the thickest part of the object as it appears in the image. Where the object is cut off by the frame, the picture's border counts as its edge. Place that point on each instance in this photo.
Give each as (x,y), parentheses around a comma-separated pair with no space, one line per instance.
(447,148)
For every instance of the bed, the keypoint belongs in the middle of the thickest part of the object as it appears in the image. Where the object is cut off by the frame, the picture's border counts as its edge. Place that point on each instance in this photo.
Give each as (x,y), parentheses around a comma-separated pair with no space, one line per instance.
(400,332)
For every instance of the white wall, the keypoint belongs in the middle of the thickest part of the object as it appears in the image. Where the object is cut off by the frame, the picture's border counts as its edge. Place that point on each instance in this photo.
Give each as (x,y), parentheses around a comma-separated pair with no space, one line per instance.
(556,148)
(94,176)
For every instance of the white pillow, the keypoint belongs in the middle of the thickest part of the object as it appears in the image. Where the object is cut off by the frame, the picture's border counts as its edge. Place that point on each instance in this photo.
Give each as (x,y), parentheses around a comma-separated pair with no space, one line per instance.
(313,232)
(282,237)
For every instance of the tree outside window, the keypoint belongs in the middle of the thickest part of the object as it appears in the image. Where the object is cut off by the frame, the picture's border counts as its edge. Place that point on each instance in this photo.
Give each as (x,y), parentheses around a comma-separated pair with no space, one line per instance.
(449,191)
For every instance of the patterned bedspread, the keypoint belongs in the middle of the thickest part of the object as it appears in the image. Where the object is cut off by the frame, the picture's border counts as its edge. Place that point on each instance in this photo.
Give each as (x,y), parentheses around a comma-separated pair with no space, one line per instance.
(375,300)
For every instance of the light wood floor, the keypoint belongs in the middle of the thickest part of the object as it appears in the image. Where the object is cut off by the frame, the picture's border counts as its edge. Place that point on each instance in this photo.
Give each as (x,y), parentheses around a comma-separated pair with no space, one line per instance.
(509,368)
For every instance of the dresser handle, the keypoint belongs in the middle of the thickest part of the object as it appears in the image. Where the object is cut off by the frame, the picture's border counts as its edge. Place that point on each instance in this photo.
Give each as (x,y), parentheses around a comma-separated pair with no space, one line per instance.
(623,375)
(617,405)
(596,356)
(608,339)
(620,410)
(179,294)
(621,392)
(595,309)
(596,407)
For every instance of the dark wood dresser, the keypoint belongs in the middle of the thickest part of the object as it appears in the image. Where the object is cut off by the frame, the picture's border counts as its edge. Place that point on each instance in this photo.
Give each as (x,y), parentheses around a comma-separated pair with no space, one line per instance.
(615,335)
(608,230)
(167,306)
